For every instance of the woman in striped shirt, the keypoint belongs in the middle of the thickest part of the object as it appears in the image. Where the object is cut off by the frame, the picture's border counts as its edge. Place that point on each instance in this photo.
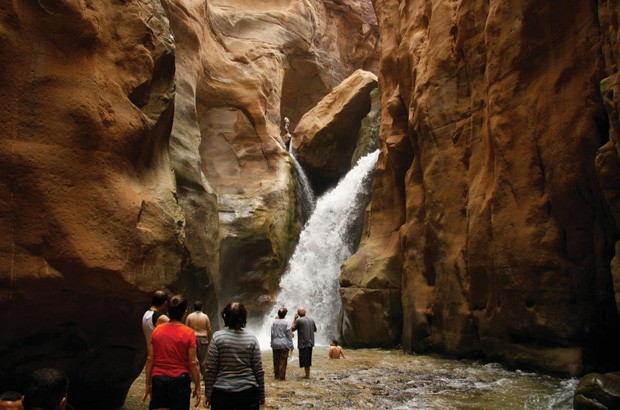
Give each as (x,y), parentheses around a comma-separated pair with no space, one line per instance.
(234,378)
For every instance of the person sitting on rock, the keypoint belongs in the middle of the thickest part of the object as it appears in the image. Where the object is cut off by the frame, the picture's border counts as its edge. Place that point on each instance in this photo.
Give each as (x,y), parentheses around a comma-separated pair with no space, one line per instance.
(335,351)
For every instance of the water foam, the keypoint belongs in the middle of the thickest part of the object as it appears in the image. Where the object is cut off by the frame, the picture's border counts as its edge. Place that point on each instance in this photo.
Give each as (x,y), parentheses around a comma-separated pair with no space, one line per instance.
(325,243)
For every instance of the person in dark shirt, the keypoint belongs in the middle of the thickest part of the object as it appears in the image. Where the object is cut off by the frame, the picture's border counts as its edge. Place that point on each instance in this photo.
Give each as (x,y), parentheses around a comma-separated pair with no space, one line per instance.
(305,328)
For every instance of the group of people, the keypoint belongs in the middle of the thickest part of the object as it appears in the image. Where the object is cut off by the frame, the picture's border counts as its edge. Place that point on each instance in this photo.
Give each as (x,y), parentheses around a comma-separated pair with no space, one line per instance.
(46,389)
(182,349)
(282,342)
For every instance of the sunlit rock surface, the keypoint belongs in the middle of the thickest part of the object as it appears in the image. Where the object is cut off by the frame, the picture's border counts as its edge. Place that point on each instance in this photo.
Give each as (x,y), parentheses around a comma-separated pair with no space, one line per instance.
(143,151)
(89,219)
(266,61)
(326,136)
(491,120)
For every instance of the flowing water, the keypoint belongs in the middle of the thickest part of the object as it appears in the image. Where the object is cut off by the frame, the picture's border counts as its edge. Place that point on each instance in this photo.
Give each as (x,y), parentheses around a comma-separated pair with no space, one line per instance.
(307,198)
(391,379)
(374,378)
(326,242)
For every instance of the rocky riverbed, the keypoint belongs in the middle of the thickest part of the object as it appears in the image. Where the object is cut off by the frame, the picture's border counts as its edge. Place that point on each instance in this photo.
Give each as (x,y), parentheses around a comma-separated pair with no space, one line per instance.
(390,379)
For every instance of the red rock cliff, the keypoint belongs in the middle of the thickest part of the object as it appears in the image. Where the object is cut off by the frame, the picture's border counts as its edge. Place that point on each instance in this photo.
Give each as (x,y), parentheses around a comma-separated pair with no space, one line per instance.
(486,192)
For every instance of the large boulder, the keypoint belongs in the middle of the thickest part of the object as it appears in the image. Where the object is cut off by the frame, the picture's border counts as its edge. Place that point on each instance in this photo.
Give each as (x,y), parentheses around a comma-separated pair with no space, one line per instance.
(491,120)
(326,136)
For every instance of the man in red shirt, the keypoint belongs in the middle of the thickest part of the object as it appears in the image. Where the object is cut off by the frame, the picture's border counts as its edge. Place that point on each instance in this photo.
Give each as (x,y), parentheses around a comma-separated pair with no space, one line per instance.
(172,361)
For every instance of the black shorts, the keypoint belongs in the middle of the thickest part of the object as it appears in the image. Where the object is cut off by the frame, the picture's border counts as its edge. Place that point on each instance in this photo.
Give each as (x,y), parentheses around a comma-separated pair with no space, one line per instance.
(248,399)
(171,392)
(305,357)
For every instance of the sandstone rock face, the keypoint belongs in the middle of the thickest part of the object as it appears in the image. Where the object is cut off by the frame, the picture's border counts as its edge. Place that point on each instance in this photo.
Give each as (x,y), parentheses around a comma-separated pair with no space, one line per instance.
(607,158)
(263,59)
(491,120)
(88,212)
(195,195)
(326,136)
(143,151)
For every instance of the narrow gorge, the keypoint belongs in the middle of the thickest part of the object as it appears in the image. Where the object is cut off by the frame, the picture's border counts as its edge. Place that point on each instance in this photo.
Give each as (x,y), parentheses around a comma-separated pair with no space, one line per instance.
(147,145)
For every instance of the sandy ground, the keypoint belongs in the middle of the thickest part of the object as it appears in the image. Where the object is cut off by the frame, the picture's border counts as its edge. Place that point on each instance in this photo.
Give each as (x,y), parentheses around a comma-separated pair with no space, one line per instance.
(296,392)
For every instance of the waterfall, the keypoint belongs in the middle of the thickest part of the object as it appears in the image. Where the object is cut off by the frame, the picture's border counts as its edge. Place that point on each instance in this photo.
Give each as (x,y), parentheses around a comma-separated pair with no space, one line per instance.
(325,243)
(306,197)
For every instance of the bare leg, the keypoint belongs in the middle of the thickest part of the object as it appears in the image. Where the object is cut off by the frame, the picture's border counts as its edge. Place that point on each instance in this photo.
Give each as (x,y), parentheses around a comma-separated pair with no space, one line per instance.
(307,369)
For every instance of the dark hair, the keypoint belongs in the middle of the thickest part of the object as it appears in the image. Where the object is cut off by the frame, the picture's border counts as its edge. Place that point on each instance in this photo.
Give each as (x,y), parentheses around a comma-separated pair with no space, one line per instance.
(46,389)
(10,396)
(235,315)
(282,312)
(159,298)
(198,306)
(177,307)
(335,342)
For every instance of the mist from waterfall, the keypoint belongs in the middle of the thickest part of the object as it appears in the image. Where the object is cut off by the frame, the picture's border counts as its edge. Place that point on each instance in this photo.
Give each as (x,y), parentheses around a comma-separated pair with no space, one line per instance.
(326,242)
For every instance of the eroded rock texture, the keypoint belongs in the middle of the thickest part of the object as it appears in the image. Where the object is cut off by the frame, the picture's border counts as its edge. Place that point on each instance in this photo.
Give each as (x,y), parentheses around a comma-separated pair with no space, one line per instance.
(264,61)
(90,224)
(142,150)
(486,192)
(607,158)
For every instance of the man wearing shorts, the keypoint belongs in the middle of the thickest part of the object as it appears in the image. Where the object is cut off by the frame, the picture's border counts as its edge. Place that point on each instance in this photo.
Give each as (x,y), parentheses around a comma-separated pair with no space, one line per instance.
(172,362)
(201,324)
(305,328)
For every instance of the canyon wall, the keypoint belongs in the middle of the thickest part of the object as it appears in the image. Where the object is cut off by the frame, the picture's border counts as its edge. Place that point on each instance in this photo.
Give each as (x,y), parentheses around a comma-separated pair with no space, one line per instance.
(487,209)
(261,62)
(143,151)
(88,211)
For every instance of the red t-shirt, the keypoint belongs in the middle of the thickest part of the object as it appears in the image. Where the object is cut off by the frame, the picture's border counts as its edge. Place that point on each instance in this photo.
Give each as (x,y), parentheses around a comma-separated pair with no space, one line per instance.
(170,349)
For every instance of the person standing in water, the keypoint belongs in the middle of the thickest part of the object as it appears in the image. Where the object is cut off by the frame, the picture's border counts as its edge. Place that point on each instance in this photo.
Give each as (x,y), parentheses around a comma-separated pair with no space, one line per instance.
(235,378)
(305,328)
(201,324)
(281,343)
(335,351)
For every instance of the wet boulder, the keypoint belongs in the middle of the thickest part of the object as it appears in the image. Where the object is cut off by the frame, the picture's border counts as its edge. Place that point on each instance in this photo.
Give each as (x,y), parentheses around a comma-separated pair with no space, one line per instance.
(598,391)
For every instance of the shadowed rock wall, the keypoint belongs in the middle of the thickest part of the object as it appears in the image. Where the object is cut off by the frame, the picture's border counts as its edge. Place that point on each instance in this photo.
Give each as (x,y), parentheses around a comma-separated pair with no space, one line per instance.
(90,223)
(485,193)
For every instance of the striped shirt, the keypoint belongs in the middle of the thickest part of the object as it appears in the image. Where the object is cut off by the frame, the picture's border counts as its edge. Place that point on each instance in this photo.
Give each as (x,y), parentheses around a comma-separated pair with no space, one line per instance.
(234,363)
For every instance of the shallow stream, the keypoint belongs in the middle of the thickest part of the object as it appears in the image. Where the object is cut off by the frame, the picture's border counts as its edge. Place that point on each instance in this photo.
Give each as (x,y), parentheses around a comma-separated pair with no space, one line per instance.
(391,379)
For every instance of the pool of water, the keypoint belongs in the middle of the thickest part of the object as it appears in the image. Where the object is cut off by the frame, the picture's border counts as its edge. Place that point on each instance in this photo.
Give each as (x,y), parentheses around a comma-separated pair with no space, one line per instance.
(391,379)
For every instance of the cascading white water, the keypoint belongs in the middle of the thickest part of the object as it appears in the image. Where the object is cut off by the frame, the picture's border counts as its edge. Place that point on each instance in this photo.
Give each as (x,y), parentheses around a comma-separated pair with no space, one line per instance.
(325,243)
(307,199)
